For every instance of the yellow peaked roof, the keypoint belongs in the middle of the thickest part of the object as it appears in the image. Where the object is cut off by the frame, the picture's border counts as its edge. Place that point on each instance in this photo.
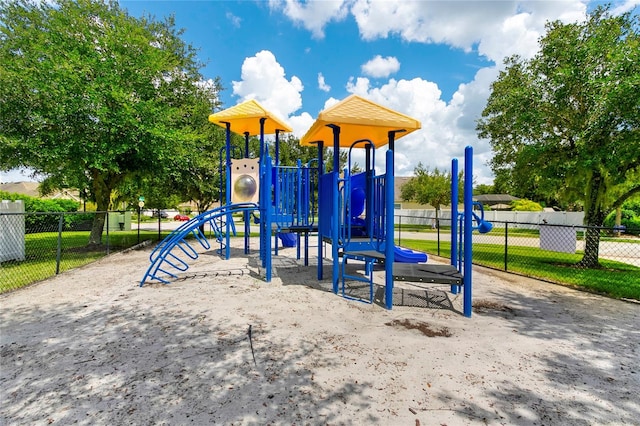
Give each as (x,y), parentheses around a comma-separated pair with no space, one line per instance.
(358,118)
(245,117)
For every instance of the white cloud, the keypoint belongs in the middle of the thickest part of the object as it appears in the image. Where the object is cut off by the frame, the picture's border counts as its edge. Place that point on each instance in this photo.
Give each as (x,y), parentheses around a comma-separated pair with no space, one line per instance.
(452,23)
(235,20)
(381,67)
(264,80)
(330,102)
(495,30)
(447,128)
(301,123)
(312,15)
(627,6)
(321,83)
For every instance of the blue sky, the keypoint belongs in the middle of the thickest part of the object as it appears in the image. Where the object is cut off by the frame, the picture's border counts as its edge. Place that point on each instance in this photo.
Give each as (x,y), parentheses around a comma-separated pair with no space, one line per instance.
(432,60)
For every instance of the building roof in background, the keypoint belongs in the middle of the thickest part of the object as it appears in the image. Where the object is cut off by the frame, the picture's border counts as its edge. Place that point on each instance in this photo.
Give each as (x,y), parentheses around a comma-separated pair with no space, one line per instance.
(491,199)
(26,188)
(31,189)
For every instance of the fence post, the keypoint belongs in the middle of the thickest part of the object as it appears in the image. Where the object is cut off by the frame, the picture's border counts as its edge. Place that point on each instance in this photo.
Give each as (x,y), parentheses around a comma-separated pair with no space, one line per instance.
(399,229)
(107,214)
(59,248)
(506,245)
(438,231)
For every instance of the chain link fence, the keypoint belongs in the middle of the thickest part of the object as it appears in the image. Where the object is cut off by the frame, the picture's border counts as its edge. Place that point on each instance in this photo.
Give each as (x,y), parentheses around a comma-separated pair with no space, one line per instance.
(600,258)
(36,246)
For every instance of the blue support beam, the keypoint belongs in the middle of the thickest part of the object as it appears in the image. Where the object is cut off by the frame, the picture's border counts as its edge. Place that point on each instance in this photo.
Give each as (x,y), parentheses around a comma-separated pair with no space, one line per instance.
(320,218)
(228,219)
(454,218)
(390,244)
(468,228)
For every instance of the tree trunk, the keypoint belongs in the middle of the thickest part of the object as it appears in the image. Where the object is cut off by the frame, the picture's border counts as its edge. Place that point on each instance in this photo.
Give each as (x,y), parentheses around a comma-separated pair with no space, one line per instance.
(591,249)
(593,219)
(103,198)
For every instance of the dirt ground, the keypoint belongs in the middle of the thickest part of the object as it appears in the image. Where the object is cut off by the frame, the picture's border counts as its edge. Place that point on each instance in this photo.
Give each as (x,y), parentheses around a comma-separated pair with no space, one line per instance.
(222,346)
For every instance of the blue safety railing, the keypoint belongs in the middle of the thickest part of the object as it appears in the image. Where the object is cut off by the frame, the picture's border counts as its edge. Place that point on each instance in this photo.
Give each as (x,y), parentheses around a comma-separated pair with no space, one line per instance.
(294,196)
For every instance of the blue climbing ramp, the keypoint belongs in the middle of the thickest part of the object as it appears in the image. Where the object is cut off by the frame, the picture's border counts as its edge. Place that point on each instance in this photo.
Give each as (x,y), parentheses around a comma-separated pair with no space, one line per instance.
(173,254)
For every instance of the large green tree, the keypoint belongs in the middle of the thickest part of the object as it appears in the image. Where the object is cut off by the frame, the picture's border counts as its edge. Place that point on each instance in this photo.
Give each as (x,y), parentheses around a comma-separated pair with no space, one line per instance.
(91,96)
(431,187)
(567,122)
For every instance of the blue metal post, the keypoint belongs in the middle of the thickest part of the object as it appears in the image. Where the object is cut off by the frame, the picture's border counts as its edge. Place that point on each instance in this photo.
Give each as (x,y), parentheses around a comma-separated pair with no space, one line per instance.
(336,147)
(277,153)
(335,231)
(247,215)
(277,184)
(468,228)
(320,218)
(267,220)
(299,193)
(227,249)
(390,246)
(262,120)
(335,226)
(454,218)
(262,194)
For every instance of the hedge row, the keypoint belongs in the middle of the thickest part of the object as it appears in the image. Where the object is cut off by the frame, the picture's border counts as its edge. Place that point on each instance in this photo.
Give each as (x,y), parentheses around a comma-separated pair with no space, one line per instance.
(49,222)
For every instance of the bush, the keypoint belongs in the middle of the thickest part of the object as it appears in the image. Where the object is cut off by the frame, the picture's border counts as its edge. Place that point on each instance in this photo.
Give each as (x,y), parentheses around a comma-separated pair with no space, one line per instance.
(629,220)
(632,205)
(524,205)
(41,222)
(78,222)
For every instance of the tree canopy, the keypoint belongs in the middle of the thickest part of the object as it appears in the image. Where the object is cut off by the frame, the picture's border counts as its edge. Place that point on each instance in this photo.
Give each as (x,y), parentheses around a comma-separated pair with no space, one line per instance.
(430,187)
(565,124)
(91,96)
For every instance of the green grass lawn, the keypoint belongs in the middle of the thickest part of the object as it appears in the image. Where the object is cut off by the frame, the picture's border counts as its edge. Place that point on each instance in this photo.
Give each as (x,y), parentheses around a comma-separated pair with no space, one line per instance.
(41,253)
(513,232)
(614,279)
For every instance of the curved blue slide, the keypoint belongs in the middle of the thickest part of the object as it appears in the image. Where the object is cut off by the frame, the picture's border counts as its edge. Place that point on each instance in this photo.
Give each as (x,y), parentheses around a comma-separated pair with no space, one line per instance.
(404,255)
(288,239)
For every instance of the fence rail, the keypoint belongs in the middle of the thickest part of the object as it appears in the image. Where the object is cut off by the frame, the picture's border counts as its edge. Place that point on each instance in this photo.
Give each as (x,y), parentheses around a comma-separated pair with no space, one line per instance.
(36,246)
(551,252)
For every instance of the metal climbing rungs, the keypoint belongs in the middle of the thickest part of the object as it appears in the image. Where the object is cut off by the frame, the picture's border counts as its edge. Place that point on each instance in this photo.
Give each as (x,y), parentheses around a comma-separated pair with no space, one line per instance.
(173,254)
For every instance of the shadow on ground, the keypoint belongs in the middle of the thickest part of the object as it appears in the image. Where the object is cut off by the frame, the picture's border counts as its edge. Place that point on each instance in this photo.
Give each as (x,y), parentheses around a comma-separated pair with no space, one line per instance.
(119,365)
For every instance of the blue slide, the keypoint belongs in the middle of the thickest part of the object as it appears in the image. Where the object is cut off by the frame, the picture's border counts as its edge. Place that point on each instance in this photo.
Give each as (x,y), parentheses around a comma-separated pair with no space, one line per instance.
(288,239)
(404,255)
(358,196)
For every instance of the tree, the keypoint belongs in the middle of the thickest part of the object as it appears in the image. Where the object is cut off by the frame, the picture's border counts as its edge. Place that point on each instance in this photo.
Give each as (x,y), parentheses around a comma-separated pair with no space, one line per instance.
(91,97)
(484,189)
(430,187)
(566,122)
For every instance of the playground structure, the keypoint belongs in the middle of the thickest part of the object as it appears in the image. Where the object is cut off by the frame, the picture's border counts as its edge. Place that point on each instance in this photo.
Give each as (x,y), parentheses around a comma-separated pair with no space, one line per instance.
(354,212)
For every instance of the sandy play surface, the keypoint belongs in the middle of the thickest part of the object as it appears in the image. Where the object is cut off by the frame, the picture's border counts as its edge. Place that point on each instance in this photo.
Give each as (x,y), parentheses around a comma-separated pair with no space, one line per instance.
(91,347)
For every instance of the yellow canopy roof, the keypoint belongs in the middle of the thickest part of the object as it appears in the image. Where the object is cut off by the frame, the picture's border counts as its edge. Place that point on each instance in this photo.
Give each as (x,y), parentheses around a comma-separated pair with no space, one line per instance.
(358,118)
(245,117)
